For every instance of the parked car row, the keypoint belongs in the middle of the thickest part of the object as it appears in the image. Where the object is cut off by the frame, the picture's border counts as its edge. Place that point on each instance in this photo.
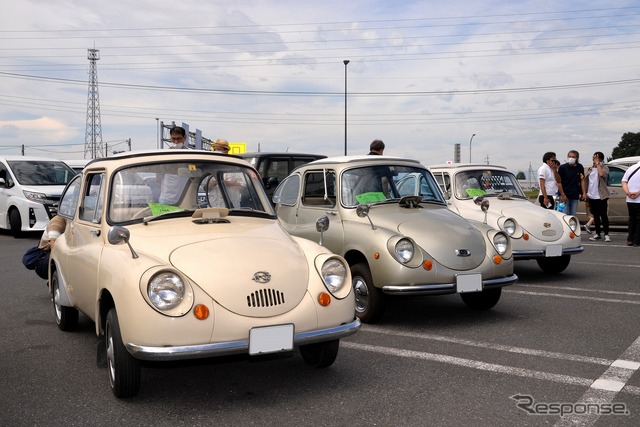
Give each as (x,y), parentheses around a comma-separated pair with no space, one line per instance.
(179,254)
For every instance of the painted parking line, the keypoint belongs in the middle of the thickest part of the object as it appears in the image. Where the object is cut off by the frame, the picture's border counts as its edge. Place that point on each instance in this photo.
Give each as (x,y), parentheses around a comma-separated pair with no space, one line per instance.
(566,288)
(548,294)
(604,390)
(490,346)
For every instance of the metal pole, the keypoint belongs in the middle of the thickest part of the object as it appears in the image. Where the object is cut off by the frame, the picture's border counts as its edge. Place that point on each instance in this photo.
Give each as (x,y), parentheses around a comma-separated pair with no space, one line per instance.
(346,61)
(470,146)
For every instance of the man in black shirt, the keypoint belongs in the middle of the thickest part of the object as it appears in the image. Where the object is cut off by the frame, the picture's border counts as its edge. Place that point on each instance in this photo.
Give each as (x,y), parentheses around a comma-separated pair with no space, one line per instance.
(572,189)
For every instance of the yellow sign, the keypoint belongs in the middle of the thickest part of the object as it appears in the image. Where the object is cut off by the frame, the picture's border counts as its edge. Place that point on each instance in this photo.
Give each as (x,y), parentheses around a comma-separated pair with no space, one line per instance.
(237,147)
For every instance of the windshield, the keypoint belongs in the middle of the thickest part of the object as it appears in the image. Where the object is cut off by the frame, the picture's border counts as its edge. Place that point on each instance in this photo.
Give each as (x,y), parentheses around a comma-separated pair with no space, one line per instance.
(486,183)
(41,172)
(378,183)
(152,189)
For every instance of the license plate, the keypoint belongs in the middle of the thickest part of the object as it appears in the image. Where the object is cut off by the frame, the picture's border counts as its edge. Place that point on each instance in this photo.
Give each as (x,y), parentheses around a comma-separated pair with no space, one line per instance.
(553,250)
(469,283)
(270,339)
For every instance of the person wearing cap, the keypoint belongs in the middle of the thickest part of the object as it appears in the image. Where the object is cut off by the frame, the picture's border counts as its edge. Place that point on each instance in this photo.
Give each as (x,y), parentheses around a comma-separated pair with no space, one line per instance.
(221,146)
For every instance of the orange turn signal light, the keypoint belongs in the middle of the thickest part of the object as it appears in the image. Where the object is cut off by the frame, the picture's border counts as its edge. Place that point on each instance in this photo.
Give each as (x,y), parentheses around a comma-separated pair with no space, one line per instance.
(525,236)
(572,235)
(497,259)
(376,255)
(427,265)
(324,299)
(201,311)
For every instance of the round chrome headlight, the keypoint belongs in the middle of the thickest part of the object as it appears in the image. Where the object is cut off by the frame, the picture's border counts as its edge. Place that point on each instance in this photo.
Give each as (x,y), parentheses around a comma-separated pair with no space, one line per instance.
(501,243)
(334,274)
(510,226)
(166,290)
(404,250)
(573,224)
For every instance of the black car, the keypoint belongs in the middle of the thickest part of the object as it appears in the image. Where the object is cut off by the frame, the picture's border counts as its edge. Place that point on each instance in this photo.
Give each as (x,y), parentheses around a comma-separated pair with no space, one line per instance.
(274,167)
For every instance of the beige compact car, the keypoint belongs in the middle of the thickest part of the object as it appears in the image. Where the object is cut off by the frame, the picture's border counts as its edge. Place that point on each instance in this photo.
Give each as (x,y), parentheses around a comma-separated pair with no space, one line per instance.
(177,254)
(548,236)
(395,244)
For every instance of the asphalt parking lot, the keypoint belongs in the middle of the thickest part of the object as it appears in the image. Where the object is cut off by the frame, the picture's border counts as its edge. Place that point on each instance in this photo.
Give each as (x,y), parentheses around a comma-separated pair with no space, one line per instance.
(554,344)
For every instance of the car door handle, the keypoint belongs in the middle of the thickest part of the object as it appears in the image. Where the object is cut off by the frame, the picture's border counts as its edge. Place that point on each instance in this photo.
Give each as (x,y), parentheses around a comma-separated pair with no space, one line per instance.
(334,213)
(96,232)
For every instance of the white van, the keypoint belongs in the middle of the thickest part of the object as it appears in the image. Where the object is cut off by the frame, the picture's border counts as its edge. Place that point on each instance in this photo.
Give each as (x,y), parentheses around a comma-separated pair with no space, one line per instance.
(77,165)
(625,161)
(30,189)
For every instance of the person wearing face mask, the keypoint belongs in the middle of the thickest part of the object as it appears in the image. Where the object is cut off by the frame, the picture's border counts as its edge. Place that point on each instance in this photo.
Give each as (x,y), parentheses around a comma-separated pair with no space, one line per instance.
(595,181)
(548,178)
(572,189)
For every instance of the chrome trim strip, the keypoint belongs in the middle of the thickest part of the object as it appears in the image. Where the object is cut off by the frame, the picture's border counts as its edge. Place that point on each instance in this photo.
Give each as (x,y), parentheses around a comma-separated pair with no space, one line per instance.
(446,288)
(235,347)
(540,253)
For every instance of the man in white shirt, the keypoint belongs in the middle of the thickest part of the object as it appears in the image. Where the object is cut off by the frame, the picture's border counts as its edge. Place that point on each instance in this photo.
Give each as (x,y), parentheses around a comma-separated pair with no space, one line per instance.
(547,175)
(631,187)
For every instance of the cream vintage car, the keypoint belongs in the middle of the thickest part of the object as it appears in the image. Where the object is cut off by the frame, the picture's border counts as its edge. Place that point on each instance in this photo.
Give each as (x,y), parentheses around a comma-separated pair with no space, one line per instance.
(548,236)
(394,245)
(177,254)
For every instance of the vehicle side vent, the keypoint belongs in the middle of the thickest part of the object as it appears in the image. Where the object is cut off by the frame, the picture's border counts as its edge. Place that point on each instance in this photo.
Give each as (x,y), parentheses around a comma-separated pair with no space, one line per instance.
(265,298)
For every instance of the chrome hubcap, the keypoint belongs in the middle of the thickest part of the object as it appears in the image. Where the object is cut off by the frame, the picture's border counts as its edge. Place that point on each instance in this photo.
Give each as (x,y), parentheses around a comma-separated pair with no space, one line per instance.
(361,293)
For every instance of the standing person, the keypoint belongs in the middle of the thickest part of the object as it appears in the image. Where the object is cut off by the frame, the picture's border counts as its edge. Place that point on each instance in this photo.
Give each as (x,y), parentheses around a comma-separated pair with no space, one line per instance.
(221,146)
(631,187)
(598,195)
(572,189)
(178,137)
(547,175)
(376,147)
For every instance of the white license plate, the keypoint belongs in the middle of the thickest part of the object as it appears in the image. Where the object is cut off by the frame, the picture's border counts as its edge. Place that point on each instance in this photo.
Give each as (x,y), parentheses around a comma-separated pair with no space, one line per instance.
(553,250)
(469,283)
(270,339)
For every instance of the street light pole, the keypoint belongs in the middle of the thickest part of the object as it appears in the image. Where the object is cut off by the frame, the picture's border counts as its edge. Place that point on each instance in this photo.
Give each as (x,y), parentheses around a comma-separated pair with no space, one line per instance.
(345,62)
(470,146)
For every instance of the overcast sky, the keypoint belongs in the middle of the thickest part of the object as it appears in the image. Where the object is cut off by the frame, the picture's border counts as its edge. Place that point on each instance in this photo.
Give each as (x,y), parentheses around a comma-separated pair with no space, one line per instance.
(524,76)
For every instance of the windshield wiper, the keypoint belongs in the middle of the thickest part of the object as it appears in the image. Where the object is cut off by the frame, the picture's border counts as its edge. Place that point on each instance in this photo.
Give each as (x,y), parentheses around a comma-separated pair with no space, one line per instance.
(172,214)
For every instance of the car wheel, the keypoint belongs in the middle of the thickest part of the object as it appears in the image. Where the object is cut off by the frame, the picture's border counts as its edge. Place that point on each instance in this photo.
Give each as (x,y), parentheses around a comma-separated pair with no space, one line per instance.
(320,355)
(554,265)
(15,223)
(482,300)
(124,370)
(66,317)
(370,302)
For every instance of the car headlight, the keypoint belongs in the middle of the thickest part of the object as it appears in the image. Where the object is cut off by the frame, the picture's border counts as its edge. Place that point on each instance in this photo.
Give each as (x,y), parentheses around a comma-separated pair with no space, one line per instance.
(35,197)
(573,224)
(501,243)
(334,274)
(509,226)
(166,290)
(404,250)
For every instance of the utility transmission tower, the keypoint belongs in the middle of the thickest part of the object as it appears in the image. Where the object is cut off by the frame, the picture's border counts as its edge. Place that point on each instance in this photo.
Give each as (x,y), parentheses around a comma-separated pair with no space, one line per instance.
(93,134)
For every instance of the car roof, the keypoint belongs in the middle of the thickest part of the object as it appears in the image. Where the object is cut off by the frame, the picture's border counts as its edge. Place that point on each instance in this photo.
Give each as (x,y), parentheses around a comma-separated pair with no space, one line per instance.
(362,159)
(132,157)
(464,166)
(28,158)
(279,154)
(628,161)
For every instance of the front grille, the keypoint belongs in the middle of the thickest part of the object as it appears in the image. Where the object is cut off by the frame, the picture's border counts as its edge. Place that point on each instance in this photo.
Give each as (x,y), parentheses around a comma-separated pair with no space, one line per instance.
(265,298)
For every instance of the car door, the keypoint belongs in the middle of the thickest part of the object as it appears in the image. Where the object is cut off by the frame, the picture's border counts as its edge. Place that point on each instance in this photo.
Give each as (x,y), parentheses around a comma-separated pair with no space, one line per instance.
(618,212)
(318,199)
(85,245)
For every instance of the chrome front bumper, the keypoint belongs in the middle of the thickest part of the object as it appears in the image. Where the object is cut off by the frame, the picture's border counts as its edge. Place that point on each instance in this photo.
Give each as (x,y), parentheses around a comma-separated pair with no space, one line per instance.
(446,288)
(235,347)
(540,253)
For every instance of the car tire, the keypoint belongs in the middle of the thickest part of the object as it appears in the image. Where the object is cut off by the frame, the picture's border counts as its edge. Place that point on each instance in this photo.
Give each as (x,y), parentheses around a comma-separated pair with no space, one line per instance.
(15,223)
(484,300)
(123,369)
(554,265)
(370,302)
(320,355)
(66,317)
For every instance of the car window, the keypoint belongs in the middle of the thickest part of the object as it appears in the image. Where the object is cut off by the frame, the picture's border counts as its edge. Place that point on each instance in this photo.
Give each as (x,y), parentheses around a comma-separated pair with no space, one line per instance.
(615,177)
(150,189)
(92,201)
(287,192)
(69,200)
(41,172)
(481,182)
(317,185)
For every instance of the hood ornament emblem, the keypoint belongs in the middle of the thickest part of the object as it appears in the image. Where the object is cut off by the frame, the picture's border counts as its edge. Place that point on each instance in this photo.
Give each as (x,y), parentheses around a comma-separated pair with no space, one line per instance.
(546,225)
(261,277)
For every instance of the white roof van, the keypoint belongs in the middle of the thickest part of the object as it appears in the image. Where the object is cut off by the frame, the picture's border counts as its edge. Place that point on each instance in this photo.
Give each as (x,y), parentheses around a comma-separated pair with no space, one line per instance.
(30,189)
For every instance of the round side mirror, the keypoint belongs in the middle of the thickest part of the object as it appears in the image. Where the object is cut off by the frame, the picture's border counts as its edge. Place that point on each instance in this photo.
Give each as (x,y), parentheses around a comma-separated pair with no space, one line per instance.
(322,224)
(362,211)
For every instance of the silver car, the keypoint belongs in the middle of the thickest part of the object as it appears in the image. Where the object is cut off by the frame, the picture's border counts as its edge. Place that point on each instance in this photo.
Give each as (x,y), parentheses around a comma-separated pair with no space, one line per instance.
(394,244)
